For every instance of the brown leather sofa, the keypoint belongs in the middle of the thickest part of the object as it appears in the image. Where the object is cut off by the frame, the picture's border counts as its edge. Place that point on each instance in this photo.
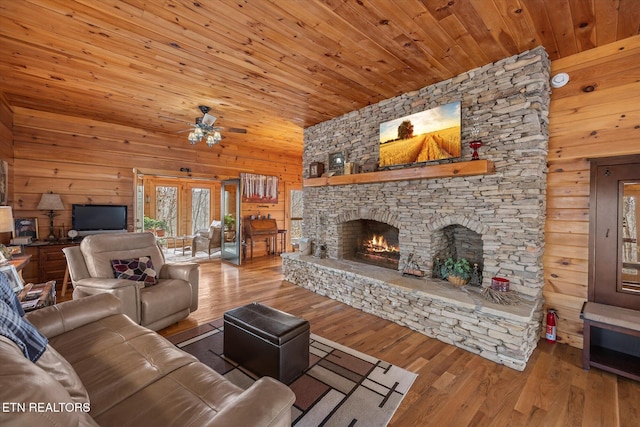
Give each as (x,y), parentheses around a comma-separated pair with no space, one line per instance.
(128,374)
(158,306)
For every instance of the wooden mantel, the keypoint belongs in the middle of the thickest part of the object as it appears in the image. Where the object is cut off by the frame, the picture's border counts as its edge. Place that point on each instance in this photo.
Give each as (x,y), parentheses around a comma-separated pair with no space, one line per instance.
(474,167)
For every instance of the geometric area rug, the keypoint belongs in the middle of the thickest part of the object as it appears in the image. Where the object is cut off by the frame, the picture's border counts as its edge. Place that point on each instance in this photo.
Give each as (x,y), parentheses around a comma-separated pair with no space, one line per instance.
(341,387)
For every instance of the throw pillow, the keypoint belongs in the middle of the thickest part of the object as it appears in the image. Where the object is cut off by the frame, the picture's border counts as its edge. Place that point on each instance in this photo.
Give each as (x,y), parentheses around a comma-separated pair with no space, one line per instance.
(136,269)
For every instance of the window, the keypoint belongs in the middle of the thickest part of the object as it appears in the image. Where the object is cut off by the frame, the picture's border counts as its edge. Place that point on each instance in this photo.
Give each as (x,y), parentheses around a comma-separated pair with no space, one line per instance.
(630,256)
(296,210)
(167,208)
(200,209)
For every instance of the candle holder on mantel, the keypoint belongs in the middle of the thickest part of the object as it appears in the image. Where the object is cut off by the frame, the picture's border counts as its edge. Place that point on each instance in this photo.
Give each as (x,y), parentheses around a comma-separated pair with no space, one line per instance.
(475,145)
(475,130)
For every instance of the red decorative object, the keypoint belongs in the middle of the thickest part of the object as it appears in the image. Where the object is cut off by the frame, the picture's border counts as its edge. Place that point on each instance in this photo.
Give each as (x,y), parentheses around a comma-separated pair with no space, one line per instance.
(475,145)
(552,320)
(500,284)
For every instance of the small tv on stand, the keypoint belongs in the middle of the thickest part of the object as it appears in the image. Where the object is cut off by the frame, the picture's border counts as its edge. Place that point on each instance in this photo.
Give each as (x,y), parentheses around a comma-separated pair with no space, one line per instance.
(97,219)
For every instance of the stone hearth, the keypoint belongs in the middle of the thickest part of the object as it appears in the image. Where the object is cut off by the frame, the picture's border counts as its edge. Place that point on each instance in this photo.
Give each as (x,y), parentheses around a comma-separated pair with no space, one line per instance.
(504,334)
(495,219)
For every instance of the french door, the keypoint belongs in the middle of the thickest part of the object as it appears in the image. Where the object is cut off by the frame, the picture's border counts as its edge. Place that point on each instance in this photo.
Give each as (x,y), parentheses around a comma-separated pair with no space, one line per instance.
(182,206)
(230,201)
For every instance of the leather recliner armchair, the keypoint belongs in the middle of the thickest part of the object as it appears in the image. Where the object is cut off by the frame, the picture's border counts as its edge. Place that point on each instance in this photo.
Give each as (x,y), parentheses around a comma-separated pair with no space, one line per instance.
(173,297)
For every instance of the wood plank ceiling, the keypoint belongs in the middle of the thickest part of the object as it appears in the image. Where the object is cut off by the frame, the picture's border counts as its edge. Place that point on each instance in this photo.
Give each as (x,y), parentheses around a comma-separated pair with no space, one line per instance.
(270,66)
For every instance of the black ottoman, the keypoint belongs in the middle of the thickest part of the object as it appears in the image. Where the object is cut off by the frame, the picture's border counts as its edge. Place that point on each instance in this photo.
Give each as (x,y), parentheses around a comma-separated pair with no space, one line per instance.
(266,341)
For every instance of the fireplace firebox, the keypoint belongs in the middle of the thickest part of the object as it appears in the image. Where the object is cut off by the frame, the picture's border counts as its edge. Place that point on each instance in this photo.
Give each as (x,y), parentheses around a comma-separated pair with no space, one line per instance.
(371,242)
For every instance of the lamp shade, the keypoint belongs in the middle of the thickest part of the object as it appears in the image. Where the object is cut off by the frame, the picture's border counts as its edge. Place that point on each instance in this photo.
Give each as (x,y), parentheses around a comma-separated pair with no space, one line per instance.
(6,219)
(50,202)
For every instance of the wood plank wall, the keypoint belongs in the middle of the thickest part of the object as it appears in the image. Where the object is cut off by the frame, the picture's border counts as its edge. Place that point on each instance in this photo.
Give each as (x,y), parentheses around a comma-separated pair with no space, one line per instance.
(87,161)
(596,115)
(6,153)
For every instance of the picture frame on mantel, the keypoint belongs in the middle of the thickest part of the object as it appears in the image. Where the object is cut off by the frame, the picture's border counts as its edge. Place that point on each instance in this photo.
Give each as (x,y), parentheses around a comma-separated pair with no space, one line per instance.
(316,169)
(336,162)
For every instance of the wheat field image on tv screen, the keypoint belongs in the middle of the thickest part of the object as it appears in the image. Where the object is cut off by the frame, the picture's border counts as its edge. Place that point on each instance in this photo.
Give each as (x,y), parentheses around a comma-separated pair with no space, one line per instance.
(421,137)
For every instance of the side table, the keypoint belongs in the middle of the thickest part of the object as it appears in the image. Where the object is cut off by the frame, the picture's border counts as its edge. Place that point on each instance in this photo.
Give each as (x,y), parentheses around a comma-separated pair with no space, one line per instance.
(186,242)
(19,262)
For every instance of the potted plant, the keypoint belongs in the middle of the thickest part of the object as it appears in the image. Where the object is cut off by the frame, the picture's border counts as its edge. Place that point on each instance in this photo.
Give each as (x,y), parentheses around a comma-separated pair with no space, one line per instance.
(157,226)
(457,272)
(161,227)
(148,223)
(229,222)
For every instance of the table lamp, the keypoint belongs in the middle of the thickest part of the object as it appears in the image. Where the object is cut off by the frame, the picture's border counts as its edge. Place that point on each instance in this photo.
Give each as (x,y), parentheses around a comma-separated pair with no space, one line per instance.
(51,202)
(6,219)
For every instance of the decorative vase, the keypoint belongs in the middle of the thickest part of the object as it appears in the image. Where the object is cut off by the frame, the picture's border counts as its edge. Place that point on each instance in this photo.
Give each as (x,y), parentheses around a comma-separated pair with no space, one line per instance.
(457,280)
(475,145)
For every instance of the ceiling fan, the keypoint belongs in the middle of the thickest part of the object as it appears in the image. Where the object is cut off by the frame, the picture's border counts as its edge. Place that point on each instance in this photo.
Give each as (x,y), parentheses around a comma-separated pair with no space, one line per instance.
(204,129)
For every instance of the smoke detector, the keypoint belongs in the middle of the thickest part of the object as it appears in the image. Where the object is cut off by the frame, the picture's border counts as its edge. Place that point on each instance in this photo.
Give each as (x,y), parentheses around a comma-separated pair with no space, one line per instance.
(559,80)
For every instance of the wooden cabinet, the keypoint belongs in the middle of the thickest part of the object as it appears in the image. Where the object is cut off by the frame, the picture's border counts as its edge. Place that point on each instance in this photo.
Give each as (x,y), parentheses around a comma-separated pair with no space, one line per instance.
(47,263)
(31,272)
(612,313)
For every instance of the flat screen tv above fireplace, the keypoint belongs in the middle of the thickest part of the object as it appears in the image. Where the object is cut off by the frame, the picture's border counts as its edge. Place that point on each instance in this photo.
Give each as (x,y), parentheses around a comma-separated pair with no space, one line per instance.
(95,219)
(421,137)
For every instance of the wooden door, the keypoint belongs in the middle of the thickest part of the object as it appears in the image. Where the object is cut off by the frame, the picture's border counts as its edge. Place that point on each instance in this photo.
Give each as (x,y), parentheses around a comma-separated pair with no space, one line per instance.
(615,221)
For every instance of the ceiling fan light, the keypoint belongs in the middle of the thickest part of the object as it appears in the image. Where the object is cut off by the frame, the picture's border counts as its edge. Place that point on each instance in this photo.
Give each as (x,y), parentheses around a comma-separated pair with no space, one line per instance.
(193,138)
(198,131)
(217,137)
(211,141)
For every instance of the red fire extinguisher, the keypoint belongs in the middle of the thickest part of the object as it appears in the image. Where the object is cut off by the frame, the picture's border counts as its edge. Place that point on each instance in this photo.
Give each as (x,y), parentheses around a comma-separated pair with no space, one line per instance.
(552,319)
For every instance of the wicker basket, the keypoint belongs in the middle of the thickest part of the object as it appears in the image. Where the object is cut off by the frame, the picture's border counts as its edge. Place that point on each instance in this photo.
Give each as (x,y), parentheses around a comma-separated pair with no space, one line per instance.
(457,280)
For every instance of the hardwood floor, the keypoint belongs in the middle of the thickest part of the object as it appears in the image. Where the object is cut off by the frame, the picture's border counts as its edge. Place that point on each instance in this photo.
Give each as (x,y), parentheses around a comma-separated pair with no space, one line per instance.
(454,387)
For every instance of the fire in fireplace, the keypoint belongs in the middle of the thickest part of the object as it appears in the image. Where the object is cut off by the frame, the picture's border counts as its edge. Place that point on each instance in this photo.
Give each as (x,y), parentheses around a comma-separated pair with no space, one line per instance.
(373,242)
(378,244)
(375,250)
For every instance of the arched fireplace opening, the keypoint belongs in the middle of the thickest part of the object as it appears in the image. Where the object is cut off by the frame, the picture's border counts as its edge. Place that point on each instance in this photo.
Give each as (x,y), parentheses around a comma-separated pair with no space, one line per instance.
(458,241)
(371,242)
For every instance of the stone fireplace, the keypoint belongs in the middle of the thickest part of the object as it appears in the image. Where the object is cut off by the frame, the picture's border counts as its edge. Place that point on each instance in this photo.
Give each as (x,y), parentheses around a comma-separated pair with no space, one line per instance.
(494,219)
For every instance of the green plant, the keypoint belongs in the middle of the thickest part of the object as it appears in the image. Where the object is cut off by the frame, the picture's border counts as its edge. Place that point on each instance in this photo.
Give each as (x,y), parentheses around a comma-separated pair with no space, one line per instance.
(148,223)
(229,221)
(154,224)
(459,267)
